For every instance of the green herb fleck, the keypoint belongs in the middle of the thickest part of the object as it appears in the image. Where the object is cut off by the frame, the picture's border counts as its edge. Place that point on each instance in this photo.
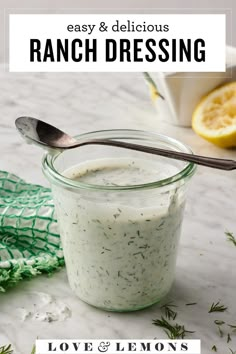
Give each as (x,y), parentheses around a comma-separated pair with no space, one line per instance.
(141,254)
(144,246)
(191,304)
(173,331)
(228,338)
(221,333)
(214,349)
(169,313)
(217,307)
(219,323)
(230,237)
(6,349)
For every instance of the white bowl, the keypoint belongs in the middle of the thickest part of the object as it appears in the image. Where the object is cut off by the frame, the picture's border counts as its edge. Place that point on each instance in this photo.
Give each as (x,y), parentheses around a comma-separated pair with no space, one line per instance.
(183,91)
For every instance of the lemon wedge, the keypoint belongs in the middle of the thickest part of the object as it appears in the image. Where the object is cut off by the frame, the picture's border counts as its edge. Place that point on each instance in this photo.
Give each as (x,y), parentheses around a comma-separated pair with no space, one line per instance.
(214,118)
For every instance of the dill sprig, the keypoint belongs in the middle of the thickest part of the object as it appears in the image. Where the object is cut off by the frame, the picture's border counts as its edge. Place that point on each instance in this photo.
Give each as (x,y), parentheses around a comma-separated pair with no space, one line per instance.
(231,237)
(217,307)
(173,331)
(6,349)
(169,313)
(214,349)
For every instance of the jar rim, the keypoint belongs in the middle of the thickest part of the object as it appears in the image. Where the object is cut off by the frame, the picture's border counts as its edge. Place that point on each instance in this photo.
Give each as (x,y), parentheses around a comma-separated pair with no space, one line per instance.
(53,175)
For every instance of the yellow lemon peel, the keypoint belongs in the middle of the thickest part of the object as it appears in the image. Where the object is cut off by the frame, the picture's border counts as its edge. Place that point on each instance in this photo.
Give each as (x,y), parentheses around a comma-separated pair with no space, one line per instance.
(214,118)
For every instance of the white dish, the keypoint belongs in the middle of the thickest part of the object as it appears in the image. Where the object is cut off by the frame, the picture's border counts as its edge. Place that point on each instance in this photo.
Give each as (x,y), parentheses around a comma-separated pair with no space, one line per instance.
(183,91)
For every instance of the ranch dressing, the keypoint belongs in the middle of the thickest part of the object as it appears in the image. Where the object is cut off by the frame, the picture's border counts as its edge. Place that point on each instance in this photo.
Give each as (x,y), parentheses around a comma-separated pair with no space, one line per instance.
(120,246)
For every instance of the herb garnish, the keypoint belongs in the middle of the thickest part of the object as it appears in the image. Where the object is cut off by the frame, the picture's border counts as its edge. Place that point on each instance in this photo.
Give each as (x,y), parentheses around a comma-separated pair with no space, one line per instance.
(228,338)
(230,237)
(214,349)
(6,349)
(173,331)
(169,313)
(217,307)
(191,303)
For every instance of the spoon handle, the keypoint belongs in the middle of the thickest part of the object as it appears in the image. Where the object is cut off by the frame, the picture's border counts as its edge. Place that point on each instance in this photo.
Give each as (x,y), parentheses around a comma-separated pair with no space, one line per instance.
(222,164)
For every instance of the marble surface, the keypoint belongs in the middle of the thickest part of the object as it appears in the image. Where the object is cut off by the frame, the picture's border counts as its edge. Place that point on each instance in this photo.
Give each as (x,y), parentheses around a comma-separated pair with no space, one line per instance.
(206,261)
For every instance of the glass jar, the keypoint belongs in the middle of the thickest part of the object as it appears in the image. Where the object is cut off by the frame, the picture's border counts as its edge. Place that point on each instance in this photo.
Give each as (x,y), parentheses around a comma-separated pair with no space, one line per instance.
(120,242)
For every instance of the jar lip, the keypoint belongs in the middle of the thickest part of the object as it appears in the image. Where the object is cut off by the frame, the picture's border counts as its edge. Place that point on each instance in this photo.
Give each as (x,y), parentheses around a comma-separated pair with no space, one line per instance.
(52,174)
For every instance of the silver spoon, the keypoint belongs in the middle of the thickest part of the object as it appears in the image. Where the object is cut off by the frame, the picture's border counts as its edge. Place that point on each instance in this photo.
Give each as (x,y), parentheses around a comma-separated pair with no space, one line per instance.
(48,136)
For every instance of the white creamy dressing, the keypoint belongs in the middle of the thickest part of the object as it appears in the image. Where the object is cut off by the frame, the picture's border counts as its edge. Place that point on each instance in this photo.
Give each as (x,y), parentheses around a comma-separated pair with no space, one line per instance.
(43,307)
(120,247)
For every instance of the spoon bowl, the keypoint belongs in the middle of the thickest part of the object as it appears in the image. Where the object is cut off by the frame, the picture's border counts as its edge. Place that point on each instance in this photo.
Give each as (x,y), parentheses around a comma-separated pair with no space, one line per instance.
(42,133)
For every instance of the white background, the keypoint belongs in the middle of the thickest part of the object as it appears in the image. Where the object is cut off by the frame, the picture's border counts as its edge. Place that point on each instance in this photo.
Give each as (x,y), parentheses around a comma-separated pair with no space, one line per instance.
(211,28)
(102,6)
(42,346)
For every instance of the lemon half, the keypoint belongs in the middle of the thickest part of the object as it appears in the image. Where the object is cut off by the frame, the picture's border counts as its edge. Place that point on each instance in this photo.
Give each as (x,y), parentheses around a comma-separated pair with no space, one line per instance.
(214,118)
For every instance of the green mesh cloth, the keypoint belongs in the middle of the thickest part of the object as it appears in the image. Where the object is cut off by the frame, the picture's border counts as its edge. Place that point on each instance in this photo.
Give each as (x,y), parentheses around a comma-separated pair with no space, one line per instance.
(29,239)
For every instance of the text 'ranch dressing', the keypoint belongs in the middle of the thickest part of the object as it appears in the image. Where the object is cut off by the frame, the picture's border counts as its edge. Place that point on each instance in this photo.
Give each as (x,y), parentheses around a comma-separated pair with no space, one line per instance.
(120,246)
